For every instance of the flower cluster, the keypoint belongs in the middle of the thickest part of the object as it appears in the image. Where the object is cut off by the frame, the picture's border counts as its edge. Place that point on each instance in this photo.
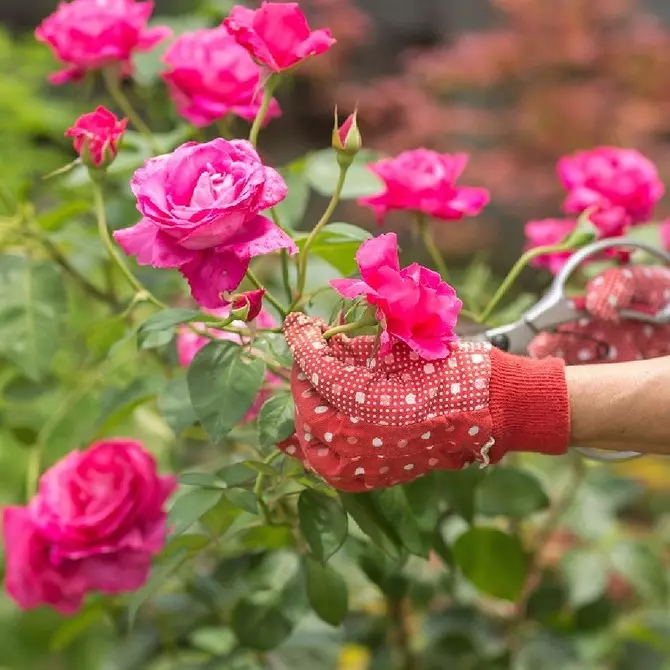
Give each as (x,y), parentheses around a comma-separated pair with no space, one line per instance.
(94,525)
(618,187)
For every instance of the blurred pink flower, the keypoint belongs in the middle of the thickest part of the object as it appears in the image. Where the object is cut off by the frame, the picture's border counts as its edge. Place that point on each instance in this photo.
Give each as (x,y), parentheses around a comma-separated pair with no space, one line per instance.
(210,75)
(621,185)
(423,181)
(190,343)
(89,35)
(277,35)
(549,232)
(201,209)
(94,525)
(96,136)
(413,305)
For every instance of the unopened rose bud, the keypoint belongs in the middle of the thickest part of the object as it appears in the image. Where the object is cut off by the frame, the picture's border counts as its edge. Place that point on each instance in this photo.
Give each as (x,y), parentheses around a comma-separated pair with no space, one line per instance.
(247,306)
(96,137)
(347,137)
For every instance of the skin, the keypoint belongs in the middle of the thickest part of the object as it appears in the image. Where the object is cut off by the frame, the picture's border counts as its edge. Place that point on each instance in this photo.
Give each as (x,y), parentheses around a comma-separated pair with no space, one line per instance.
(621,406)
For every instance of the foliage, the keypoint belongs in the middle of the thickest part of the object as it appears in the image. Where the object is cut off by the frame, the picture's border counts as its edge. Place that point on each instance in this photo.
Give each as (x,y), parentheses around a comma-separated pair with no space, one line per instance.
(532,564)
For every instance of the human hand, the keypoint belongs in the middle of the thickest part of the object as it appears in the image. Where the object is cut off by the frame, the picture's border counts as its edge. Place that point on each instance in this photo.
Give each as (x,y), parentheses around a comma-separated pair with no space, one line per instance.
(606,336)
(366,422)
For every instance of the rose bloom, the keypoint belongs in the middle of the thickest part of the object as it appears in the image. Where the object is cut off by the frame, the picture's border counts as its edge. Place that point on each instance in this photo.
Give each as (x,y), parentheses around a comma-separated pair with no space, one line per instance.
(201,209)
(211,76)
(423,181)
(549,232)
(277,35)
(89,35)
(190,343)
(96,136)
(621,185)
(94,525)
(413,305)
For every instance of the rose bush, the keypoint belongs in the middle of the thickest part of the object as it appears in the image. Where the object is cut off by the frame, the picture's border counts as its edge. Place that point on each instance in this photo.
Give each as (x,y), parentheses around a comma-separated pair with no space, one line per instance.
(294,533)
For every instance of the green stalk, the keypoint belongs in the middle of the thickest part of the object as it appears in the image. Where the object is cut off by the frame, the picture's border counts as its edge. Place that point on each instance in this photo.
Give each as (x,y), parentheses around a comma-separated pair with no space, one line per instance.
(268,91)
(429,243)
(270,298)
(514,273)
(258,488)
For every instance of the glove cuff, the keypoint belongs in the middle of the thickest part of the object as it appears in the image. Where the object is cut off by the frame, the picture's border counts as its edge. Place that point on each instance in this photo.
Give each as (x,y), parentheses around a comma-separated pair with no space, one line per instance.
(529,404)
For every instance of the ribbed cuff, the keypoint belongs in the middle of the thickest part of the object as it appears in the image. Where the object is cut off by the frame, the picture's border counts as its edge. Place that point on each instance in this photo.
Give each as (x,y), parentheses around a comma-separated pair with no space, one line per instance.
(529,404)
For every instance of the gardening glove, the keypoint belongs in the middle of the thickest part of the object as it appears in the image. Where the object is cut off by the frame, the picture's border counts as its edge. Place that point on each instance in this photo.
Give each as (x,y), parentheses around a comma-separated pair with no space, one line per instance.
(605,336)
(365,421)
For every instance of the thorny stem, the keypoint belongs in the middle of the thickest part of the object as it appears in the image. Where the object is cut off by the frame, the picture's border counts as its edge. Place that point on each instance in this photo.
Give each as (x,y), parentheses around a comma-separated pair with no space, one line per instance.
(366,320)
(106,239)
(270,86)
(429,243)
(302,259)
(400,636)
(515,272)
(113,84)
(258,487)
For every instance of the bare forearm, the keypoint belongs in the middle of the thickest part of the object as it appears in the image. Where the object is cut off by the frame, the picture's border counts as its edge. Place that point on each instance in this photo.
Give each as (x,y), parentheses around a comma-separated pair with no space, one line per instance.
(621,406)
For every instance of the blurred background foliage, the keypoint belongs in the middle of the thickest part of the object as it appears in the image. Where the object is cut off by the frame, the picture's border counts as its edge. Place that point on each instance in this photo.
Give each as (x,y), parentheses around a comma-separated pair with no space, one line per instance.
(516,83)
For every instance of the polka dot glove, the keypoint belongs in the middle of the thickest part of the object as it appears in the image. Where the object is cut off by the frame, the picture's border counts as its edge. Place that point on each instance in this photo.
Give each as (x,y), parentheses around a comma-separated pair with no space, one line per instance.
(366,422)
(605,336)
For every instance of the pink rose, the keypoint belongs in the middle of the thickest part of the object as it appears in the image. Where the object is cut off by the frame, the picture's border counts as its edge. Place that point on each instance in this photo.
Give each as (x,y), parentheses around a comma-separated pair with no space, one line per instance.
(211,76)
(621,185)
(94,525)
(423,181)
(96,136)
(549,232)
(277,35)
(413,304)
(92,34)
(190,343)
(200,207)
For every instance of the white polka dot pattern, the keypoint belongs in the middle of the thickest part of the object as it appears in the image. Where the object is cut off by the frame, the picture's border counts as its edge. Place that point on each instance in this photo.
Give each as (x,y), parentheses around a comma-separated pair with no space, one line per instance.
(372,426)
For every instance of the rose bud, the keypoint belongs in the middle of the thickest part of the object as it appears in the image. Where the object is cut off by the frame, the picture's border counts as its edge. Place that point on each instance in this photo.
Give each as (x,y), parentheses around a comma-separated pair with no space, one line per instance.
(347,137)
(247,306)
(96,137)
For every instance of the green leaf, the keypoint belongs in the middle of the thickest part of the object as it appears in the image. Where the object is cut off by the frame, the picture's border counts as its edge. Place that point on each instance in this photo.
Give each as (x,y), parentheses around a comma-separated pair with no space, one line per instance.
(326,591)
(205,480)
(223,384)
(268,538)
(243,499)
(33,303)
(492,560)
(510,492)
(337,244)
(237,474)
(291,210)
(423,498)
(323,523)
(75,627)
(459,487)
(174,403)
(105,333)
(363,510)
(65,213)
(159,576)
(190,506)
(585,575)
(118,404)
(275,420)
(220,517)
(260,623)
(636,562)
(162,326)
(322,173)
(393,505)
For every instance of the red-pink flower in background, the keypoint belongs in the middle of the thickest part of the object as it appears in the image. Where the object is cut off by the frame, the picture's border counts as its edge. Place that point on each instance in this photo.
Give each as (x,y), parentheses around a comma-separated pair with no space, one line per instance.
(621,186)
(94,525)
(413,304)
(424,181)
(190,343)
(211,76)
(277,35)
(549,232)
(96,136)
(89,35)
(201,209)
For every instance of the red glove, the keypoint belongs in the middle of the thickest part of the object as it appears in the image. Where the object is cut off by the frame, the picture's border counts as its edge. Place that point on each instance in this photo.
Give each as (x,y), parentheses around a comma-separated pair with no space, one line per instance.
(362,425)
(606,337)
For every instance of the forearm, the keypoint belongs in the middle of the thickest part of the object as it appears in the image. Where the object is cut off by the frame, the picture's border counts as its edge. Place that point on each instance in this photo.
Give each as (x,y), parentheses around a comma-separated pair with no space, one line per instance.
(621,406)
